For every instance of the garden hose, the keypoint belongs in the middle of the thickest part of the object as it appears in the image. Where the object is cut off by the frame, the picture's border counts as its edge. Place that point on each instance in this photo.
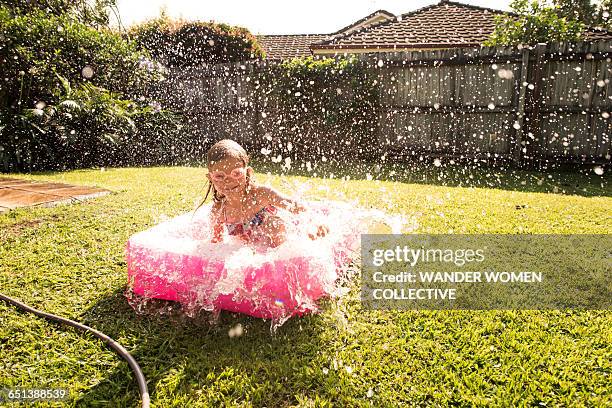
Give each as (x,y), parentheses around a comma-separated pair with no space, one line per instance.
(118,348)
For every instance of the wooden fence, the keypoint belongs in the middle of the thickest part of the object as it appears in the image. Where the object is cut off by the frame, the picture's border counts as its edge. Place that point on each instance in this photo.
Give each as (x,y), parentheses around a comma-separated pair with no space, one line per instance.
(548,102)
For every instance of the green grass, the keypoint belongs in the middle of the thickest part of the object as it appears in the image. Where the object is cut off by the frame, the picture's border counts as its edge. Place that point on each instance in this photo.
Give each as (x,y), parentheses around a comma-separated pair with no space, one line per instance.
(69,260)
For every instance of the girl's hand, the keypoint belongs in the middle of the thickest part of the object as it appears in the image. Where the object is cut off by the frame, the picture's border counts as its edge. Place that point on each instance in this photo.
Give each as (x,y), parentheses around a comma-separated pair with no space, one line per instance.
(321,231)
(297,208)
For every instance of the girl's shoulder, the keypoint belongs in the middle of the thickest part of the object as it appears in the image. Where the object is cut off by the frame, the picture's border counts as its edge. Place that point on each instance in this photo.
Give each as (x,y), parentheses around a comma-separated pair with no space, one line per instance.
(264,194)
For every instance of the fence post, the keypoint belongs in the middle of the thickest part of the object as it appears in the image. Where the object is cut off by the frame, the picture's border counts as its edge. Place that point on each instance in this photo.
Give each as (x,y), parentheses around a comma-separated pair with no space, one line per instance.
(517,148)
(535,104)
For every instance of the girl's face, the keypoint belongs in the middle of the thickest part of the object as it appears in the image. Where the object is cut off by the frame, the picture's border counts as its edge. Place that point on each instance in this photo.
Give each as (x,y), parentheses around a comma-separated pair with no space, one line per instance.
(229,176)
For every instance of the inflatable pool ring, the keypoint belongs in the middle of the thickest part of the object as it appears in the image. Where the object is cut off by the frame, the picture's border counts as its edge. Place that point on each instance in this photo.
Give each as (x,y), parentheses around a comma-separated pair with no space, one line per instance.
(175,260)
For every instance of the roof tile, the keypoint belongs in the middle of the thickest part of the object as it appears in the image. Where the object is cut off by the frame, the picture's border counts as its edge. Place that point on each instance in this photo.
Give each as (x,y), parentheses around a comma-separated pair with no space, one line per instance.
(445,23)
(288,46)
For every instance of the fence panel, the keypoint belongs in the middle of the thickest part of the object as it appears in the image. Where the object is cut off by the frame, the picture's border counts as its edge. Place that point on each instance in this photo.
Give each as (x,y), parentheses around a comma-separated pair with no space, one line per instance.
(549,102)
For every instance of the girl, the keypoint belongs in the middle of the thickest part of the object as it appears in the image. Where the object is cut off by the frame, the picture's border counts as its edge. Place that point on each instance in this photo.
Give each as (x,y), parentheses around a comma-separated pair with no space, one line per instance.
(243,208)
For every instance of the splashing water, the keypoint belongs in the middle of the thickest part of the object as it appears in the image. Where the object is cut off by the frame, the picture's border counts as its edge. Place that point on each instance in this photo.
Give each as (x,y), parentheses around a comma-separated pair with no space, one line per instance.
(176,261)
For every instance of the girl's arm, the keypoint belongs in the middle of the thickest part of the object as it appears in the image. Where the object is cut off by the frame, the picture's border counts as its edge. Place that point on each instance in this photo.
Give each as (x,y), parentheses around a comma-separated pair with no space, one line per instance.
(272,197)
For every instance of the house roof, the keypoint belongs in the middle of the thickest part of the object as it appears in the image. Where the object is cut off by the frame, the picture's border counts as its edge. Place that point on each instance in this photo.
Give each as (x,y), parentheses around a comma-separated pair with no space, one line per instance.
(441,25)
(377,16)
(288,46)
(597,34)
(444,24)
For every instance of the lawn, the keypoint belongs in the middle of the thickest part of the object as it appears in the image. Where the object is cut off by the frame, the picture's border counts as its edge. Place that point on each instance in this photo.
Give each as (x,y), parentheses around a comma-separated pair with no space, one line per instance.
(69,260)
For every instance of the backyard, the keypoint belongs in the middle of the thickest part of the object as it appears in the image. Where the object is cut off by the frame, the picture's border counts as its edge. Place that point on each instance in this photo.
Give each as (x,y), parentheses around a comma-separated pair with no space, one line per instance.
(70,260)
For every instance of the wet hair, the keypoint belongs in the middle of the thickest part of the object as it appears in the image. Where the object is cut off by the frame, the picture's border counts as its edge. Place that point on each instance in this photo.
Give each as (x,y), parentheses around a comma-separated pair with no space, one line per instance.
(222,150)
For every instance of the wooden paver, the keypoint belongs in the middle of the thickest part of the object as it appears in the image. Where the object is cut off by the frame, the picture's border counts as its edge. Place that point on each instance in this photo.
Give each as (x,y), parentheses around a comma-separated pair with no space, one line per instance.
(15,193)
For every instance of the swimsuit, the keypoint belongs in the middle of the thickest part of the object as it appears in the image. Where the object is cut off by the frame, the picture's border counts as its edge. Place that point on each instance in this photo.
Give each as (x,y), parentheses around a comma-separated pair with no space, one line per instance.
(241,228)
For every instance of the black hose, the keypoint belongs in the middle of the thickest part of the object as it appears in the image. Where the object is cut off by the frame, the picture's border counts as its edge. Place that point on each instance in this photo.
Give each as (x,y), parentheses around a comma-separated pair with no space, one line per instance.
(118,348)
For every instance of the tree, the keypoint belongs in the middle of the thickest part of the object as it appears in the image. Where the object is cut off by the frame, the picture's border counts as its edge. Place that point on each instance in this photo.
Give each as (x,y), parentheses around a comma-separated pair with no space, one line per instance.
(584,11)
(536,21)
(604,14)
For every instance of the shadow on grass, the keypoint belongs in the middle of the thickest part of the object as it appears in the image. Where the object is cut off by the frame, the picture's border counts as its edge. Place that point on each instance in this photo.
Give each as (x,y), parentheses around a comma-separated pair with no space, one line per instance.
(586,180)
(582,180)
(182,357)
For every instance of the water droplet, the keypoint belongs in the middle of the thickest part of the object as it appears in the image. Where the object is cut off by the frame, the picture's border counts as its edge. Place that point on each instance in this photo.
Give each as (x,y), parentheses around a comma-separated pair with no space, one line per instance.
(516,125)
(87,72)
(381,63)
(598,170)
(236,331)
(437,162)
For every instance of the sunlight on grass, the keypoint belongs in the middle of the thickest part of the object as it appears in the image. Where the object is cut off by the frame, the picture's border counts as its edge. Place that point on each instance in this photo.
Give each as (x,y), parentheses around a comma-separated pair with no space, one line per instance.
(69,260)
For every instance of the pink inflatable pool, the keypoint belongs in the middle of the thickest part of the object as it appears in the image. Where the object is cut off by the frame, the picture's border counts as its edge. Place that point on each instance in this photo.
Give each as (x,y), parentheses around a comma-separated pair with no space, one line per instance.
(175,261)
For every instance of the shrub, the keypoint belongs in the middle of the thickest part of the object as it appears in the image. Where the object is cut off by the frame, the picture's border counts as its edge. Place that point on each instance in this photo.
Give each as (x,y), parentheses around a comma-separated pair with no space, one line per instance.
(67,99)
(88,126)
(177,43)
(35,46)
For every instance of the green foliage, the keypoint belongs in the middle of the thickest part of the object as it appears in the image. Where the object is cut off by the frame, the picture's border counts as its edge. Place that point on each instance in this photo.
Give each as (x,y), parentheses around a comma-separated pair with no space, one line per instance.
(90,12)
(584,11)
(328,96)
(87,126)
(604,14)
(178,43)
(66,97)
(34,46)
(537,22)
